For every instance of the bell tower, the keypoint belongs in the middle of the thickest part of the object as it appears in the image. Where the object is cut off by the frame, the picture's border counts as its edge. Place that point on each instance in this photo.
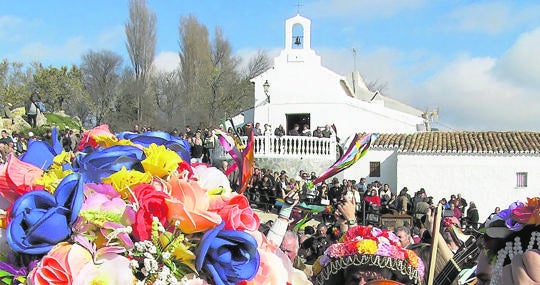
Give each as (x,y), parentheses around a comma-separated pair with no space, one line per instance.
(298,33)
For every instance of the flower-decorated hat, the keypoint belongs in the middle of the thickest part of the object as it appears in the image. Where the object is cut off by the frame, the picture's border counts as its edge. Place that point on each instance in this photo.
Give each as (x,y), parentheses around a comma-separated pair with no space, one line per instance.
(368,247)
(514,235)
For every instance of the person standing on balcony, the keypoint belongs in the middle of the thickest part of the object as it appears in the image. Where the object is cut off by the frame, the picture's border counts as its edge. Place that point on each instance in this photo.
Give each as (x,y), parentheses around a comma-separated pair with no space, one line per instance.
(267,130)
(295,131)
(327,132)
(318,132)
(257,131)
(280,131)
(305,131)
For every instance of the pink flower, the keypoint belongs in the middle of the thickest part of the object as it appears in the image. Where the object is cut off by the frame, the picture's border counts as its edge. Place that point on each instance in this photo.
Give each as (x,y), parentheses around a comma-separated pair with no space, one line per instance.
(109,269)
(63,263)
(235,211)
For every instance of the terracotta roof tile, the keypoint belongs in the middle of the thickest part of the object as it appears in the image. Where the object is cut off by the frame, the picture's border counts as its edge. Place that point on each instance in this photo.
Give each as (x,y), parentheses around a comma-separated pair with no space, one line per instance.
(462,142)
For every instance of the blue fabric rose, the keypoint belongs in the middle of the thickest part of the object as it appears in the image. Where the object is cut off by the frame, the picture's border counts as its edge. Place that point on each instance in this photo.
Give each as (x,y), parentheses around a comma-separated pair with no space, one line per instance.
(102,162)
(229,256)
(176,144)
(40,153)
(40,220)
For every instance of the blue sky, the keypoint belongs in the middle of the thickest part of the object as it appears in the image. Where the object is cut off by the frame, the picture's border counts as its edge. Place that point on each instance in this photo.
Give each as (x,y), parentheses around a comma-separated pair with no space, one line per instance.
(477,61)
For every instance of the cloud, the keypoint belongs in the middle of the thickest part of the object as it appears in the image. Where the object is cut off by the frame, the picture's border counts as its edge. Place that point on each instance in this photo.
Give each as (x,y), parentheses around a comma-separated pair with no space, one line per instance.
(112,38)
(490,17)
(8,26)
(472,93)
(68,52)
(359,9)
(167,61)
(484,93)
(521,63)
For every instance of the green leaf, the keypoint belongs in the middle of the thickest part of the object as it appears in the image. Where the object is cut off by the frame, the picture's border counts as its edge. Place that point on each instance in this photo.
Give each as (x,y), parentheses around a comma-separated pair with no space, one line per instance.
(6,281)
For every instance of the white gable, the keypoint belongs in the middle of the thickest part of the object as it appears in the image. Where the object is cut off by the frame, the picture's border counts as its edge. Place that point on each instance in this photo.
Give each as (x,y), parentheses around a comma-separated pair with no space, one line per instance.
(300,87)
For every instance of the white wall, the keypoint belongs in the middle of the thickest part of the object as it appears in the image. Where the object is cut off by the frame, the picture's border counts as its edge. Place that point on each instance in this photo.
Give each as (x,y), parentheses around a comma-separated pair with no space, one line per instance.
(388,160)
(488,180)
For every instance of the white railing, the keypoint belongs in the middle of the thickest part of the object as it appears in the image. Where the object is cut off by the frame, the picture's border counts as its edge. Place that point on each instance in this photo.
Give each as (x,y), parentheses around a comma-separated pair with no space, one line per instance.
(287,146)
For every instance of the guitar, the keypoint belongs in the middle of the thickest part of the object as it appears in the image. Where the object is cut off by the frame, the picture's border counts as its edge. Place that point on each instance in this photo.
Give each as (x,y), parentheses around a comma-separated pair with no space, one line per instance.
(467,252)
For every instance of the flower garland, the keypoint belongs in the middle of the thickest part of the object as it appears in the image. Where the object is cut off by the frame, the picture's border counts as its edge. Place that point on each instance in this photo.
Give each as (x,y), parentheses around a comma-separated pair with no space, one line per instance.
(365,245)
(126,209)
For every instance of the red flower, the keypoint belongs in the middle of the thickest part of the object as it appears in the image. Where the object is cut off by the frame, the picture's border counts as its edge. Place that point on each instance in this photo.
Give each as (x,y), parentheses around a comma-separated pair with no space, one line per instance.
(151,204)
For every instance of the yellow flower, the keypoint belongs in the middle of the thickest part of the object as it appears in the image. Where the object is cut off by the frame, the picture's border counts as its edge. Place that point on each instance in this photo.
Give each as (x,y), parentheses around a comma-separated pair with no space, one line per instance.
(160,161)
(106,140)
(367,246)
(56,172)
(62,158)
(52,178)
(178,249)
(124,180)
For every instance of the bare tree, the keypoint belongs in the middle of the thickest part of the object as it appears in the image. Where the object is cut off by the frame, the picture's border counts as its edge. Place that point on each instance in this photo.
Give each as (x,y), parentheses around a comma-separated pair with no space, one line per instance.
(166,89)
(258,64)
(101,77)
(196,69)
(141,45)
(375,86)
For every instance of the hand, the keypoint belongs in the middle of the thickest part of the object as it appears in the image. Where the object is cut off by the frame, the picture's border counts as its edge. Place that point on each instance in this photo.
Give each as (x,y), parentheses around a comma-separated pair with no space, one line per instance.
(348,209)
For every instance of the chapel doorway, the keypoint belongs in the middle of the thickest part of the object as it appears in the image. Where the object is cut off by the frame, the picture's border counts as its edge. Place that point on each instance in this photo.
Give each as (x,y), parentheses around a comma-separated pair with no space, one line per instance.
(300,119)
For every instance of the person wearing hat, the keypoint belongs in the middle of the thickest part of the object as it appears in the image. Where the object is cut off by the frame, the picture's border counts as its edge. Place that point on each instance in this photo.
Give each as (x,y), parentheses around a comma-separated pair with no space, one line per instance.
(366,254)
(511,246)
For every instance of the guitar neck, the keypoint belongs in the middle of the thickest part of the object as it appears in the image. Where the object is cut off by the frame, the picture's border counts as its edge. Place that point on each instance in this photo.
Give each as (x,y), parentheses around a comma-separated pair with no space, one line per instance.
(453,267)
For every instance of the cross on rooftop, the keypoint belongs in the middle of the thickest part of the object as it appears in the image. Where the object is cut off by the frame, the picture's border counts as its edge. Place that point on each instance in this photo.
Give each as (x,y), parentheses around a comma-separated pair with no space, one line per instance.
(298,7)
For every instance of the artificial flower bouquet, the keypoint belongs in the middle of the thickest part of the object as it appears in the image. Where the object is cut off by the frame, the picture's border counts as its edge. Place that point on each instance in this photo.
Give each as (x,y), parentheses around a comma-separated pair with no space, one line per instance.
(127,208)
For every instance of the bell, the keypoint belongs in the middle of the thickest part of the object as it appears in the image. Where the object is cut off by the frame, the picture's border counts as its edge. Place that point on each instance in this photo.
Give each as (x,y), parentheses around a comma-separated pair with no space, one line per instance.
(297,41)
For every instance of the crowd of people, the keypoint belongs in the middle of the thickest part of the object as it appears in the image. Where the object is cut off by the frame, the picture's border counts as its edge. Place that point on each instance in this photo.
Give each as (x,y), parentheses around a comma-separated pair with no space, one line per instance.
(268,189)
(338,249)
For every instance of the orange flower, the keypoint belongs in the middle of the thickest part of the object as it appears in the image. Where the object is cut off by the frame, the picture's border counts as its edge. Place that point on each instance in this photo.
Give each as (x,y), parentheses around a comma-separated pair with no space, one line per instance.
(188,205)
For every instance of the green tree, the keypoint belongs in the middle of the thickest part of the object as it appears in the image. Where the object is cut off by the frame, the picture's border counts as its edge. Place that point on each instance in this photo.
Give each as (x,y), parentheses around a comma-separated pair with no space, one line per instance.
(58,86)
(15,83)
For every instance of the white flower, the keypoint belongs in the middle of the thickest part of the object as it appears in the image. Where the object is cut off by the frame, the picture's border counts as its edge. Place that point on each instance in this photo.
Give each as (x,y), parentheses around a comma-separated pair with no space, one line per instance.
(134,264)
(166,255)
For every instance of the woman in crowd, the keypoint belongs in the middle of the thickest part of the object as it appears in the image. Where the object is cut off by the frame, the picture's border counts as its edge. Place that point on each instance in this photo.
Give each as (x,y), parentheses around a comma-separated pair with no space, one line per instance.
(197,149)
(266,188)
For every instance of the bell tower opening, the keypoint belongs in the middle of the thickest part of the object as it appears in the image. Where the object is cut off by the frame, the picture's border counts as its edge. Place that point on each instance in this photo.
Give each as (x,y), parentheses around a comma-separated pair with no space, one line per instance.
(297,37)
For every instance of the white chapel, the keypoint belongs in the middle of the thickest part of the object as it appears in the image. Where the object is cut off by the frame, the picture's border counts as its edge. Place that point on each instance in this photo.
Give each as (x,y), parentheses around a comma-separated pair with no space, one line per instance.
(299,90)
(490,168)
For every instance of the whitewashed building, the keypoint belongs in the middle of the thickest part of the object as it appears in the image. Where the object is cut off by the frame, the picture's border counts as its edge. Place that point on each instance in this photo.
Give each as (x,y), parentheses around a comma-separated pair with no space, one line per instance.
(490,168)
(299,90)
